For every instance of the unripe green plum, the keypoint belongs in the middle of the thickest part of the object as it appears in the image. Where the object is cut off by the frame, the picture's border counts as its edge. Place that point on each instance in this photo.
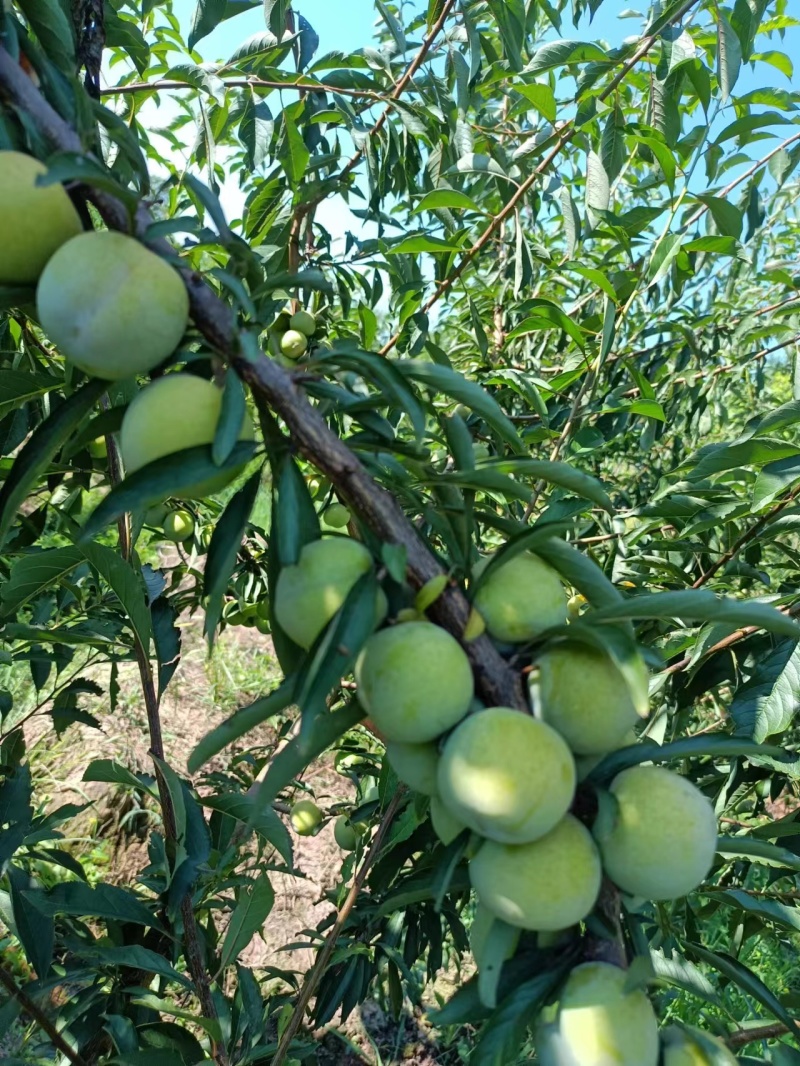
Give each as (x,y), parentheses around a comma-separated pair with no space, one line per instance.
(520,599)
(311,592)
(585,697)
(661,839)
(414,681)
(293,344)
(336,516)
(544,886)
(179,526)
(416,765)
(685,1046)
(34,220)
(98,449)
(156,516)
(112,307)
(344,834)
(510,777)
(445,824)
(599,1022)
(176,412)
(305,818)
(304,322)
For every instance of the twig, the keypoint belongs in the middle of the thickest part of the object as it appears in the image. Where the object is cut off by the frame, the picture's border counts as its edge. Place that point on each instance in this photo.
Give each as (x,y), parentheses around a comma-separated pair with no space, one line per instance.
(38,1015)
(314,975)
(741,1037)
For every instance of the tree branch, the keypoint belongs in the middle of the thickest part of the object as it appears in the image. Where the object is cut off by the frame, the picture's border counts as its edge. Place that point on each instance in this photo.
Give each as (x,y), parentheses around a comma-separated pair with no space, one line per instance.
(497,682)
(741,1037)
(38,1015)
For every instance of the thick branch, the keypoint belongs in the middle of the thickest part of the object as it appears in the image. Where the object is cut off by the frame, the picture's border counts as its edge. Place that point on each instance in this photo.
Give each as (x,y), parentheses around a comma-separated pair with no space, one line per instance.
(742,1037)
(497,682)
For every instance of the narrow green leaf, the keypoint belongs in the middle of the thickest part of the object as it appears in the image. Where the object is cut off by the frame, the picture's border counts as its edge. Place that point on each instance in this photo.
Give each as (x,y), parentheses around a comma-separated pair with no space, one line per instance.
(252,909)
(707,746)
(241,722)
(700,606)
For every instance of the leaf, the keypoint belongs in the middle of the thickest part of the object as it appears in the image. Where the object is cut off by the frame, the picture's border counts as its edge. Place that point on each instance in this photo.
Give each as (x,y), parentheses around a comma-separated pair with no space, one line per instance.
(255,129)
(252,909)
(242,722)
(171,476)
(728,218)
(542,98)
(207,15)
(126,585)
(232,415)
(501,1037)
(49,22)
(598,192)
(563,53)
(262,819)
(106,901)
(767,910)
(114,773)
(729,56)
(762,851)
(293,154)
(422,243)
(443,379)
(706,746)
(558,473)
(275,16)
(700,606)
(768,701)
(774,479)
(41,447)
(132,956)
(18,387)
(745,979)
(223,551)
(36,933)
(450,199)
(166,640)
(32,574)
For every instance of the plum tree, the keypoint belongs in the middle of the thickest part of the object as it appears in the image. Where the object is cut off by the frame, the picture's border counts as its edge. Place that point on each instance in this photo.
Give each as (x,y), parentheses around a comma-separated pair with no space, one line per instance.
(179,526)
(659,838)
(546,885)
(686,1046)
(599,1022)
(445,824)
(520,598)
(35,220)
(309,594)
(506,775)
(293,344)
(112,307)
(344,833)
(303,322)
(305,817)
(415,764)
(336,516)
(415,681)
(585,697)
(176,412)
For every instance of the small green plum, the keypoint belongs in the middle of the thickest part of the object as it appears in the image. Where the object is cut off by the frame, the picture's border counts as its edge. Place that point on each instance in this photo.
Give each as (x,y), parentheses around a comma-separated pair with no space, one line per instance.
(306,817)
(35,220)
(585,697)
(414,681)
(179,526)
(508,776)
(176,412)
(113,308)
(416,765)
(543,886)
(303,322)
(660,840)
(98,449)
(293,344)
(336,516)
(520,599)
(345,834)
(686,1046)
(310,593)
(599,1022)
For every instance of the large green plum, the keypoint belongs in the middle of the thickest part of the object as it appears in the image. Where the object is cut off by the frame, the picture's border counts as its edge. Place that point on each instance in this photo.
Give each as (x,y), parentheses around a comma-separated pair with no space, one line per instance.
(305,817)
(415,681)
(506,775)
(176,412)
(685,1046)
(546,885)
(310,593)
(658,841)
(585,697)
(303,322)
(415,764)
(345,834)
(113,308)
(599,1022)
(293,344)
(34,220)
(520,599)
